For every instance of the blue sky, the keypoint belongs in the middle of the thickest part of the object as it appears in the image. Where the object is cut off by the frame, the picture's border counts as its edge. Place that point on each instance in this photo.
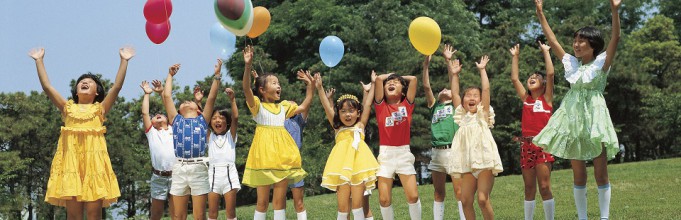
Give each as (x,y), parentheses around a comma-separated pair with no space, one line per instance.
(81,36)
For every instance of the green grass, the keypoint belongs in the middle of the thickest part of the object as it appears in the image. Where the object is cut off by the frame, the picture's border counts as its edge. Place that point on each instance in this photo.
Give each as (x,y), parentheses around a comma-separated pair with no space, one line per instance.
(643,190)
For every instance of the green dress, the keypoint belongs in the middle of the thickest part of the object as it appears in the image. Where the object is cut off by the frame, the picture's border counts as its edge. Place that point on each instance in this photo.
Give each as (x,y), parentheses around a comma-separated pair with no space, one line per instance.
(582,123)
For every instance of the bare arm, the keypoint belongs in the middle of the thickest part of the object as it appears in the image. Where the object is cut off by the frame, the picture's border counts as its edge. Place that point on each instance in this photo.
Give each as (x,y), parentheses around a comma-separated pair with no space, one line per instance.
(550,36)
(38,54)
(246,80)
(366,99)
(548,93)
(309,93)
(411,91)
(126,53)
(485,83)
(453,69)
(430,99)
(326,104)
(379,94)
(515,79)
(210,101)
(235,112)
(168,93)
(198,95)
(615,38)
(146,120)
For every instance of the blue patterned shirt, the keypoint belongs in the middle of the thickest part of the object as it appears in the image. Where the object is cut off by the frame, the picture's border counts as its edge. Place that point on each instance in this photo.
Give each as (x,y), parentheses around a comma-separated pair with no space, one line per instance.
(189,136)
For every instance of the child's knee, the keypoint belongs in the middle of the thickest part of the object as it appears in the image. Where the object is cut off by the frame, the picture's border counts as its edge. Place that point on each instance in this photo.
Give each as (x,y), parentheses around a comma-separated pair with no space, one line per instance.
(385,201)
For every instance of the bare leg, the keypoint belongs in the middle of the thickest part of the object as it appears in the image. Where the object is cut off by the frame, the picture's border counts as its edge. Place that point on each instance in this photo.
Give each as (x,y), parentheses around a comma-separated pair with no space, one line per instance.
(343,196)
(544,179)
(410,188)
(468,187)
(199,206)
(180,206)
(485,184)
(157,207)
(263,199)
(230,204)
(457,188)
(213,205)
(94,209)
(279,196)
(385,190)
(74,209)
(298,194)
(439,179)
(530,180)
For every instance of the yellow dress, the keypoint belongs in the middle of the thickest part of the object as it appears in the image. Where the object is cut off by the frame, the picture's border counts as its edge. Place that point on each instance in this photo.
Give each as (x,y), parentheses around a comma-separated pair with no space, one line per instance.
(273,155)
(81,168)
(350,161)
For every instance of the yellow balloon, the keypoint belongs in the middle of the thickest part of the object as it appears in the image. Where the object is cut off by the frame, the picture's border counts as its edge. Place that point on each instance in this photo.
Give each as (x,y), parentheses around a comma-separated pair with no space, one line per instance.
(425,35)
(261,21)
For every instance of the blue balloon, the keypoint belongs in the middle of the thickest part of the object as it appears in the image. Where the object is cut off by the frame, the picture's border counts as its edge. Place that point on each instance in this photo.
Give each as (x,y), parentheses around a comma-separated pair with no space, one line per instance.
(222,40)
(331,50)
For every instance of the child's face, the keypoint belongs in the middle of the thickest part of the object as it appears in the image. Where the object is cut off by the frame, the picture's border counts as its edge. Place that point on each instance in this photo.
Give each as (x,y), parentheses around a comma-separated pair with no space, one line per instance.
(471,99)
(535,82)
(348,114)
(219,123)
(188,109)
(272,90)
(87,87)
(582,47)
(159,121)
(444,95)
(393,89)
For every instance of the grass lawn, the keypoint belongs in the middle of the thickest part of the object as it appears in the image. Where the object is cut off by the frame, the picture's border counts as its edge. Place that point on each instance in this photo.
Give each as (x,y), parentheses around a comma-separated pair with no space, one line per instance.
(642,190)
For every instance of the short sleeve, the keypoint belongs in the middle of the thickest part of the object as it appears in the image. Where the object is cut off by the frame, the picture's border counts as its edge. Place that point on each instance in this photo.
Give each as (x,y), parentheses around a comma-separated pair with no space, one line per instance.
(256,106)
(488,118)
(458,114)
(290,108)
(571,65)
(599,63)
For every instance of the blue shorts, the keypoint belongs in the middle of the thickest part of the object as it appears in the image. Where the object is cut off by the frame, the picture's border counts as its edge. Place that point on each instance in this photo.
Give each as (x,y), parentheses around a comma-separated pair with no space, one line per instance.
(298,184)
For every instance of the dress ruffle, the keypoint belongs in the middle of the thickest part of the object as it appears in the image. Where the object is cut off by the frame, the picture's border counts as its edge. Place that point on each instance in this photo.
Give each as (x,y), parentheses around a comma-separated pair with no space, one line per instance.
(349,165)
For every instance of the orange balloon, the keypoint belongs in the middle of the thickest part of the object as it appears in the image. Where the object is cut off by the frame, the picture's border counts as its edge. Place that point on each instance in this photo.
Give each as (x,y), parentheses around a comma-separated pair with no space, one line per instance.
(261,21)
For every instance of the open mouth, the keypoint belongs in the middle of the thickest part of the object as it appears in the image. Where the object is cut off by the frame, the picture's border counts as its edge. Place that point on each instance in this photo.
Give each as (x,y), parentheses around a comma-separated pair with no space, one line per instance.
(471,104)
(218,126)
(391,88)
(532,82)
(84,87)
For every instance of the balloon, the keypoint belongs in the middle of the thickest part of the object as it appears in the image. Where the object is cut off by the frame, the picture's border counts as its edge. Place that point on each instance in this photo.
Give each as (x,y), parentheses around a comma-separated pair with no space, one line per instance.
(158,33)
(261,21)
(424,34)
(331,50)
(158,11)
(231,9)
(222,40)
(239,23)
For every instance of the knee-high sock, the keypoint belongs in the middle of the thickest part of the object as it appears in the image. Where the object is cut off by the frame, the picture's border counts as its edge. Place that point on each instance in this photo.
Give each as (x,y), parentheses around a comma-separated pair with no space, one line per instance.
(461,215)
(529,210)
(280,214)
(604,200)
(549,209)
(342,216)
(302,215)
(438,210)
(415,210)
(387,212)
(259,215)
(358,214)
(580,201)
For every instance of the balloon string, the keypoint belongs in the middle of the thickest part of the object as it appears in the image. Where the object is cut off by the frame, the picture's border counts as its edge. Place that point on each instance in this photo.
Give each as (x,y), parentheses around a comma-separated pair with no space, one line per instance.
(262,70)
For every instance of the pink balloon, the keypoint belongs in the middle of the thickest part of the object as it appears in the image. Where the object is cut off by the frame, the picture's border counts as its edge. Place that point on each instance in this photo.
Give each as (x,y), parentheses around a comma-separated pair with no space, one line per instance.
(231,9)
(158,33)
(158,11)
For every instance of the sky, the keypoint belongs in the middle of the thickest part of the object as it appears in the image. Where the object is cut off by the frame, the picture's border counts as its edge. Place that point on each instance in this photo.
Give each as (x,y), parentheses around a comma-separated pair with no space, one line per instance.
(81,36)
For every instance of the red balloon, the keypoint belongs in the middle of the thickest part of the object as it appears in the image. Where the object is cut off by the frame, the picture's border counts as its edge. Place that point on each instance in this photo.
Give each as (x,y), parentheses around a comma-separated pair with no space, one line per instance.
(158,11)
(158,33)
(231,9)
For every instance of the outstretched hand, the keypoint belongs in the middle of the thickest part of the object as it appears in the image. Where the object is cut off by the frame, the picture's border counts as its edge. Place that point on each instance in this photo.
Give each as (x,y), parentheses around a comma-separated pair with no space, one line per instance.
(230,93)
(515,50)
(218,66)
(173,69)
(127,53)
(329,93)
(198,93)
(615,3)
(248,54)
(483,62)
(254,74)
(318,80)
(426,62)
(539,4)
(544,47)
(145,87)
(365,87)
(158,88)
(37,53)
(305,77)
(373,76)
(448,52)
(455,66)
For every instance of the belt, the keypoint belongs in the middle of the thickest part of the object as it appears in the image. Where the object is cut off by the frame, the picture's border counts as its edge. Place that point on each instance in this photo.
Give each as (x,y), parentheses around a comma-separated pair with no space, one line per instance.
(194,160)
(446,146)
(162,173)
(523,139)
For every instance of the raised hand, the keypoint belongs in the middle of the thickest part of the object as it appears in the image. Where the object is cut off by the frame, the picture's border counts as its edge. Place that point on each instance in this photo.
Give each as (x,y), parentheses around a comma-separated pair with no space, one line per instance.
(448,52)
(515,50)
(37,53)
(158,88)
(218,66)
(426,62)
(305,77)
(615,3)
(455,66)
(544,47)
(373,76)
(318,80)
(254,74)
(248,54)
(365,87)
(145,87)
(483,62)
(198,93)
(329,92)
(127,53)
(539,4)
(230,93)
(173,69)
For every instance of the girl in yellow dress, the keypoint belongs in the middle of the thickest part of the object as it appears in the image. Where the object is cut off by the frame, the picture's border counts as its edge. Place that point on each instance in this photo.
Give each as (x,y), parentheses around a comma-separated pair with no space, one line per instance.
(81,176)
(351,167)
(273,159)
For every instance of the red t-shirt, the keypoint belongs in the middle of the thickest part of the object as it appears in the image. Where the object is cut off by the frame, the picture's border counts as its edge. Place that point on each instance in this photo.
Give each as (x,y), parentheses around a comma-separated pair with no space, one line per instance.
(394,122)
(536,114)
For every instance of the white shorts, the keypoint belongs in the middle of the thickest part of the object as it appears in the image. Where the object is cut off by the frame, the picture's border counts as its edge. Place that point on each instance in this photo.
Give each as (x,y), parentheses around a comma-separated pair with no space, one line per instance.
(395,160)
(189,178)
(439,160)
(223,178)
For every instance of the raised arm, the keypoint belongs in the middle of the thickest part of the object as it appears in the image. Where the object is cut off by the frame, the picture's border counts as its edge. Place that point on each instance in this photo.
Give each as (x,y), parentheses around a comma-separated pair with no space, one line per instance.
(430,99)
(411,91)
(550,36)
(126,53)
(548,93)
(38,54)
(515,79)
(309,93)
(246,80)
(368,90)
(379,94)
(210,101)
(615,36)
(235,112)
(485,82)
(198,95)
(146,119)
(453,70)
(167,94)
(326,104)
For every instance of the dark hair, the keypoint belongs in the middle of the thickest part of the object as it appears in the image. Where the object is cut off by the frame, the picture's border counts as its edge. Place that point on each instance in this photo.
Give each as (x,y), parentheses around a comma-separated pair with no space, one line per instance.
(472,88)
(543,76)
(594,37)
(100,88)
(260,81)
(336,117)
(228,119)
(404,83)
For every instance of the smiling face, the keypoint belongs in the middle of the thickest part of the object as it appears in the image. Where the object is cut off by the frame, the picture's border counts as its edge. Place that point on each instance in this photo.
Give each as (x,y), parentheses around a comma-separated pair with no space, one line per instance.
(582,47)
(88,89)
(471,99)
(271,90)
(219,123)
(445,95)
(348,114)
(159,121)
(535,82)
(394,88)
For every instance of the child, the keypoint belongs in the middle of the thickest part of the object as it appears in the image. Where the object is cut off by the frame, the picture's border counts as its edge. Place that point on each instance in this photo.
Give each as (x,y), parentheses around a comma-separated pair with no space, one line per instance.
(273,158)
(442,129)
(475,156)
(190,173)
(394,103)
(581,129)
(81,177)
(160,138)
(537,107)
(351,167)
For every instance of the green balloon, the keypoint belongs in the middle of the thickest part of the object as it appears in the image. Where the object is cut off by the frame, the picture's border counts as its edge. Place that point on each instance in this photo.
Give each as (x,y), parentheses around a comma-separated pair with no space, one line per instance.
(235,24)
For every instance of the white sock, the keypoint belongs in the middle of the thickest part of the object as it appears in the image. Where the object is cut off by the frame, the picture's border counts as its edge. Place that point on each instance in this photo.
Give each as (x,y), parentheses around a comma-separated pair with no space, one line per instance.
(358,214)
(604,200)
(212,219)
(461,215)
(438,210)
(580,201)
(280,214)
(302,215)
(415,210)
(342,216)
(549,209)
(387,212)
(232,218)
(529,210)
(370,218)
(259,215)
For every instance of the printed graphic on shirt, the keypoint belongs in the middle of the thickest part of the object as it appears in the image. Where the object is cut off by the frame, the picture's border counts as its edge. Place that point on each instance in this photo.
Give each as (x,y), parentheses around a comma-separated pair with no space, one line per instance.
(395,118)
(538,106)
(443,113)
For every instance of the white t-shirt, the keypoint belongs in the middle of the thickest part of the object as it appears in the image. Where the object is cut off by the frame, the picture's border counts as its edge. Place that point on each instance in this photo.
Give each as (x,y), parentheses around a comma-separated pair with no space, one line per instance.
(221,149)
(161,148)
